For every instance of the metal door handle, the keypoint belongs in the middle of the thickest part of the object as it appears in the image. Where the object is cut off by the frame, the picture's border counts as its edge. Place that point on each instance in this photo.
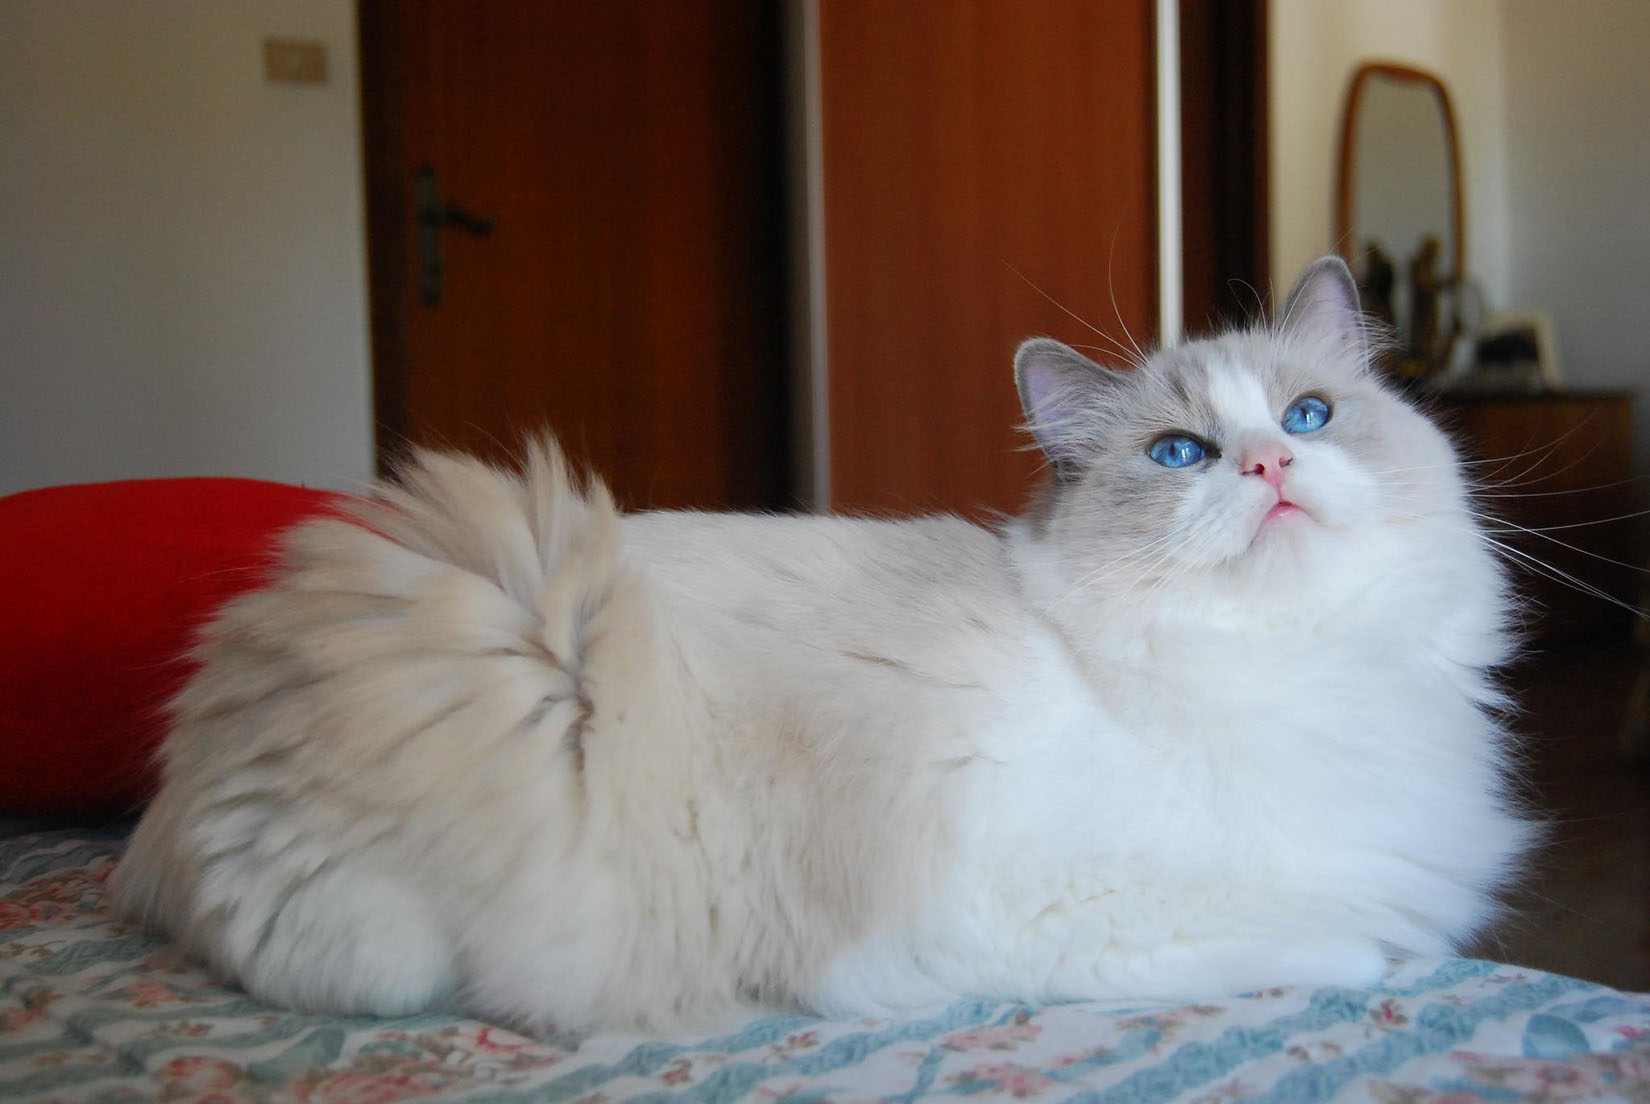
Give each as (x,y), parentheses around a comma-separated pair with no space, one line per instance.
(435,216)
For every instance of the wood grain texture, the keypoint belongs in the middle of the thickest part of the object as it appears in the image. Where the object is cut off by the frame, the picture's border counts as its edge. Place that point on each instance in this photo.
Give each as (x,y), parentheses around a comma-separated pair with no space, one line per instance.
(965,140)
(1562,465)
(632,296)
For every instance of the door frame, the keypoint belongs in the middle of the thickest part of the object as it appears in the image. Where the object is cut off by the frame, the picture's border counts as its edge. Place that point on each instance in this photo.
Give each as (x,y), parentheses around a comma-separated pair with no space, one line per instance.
(1225,167)
(387,221)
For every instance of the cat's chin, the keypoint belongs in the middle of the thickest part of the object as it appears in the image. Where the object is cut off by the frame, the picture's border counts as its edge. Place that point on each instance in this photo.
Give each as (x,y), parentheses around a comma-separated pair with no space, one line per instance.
(1281,521)
(1282,511)
(1283,544)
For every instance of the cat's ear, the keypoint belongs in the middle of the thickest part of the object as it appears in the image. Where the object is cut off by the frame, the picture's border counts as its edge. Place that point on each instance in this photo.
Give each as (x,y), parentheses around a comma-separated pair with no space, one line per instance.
(1324,304)
(1061,391)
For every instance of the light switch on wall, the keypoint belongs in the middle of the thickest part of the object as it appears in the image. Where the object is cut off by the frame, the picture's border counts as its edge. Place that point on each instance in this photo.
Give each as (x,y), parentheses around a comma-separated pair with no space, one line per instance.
(295,61)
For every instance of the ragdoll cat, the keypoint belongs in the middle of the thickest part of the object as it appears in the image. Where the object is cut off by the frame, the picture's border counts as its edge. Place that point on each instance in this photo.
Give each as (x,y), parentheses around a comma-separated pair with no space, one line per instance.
(1213,717)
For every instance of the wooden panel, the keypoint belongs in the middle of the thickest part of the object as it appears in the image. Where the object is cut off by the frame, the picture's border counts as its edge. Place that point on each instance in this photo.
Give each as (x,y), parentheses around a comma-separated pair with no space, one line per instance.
(964,140)
(632,296)
(1563,464)
(389,293)
(1225,264)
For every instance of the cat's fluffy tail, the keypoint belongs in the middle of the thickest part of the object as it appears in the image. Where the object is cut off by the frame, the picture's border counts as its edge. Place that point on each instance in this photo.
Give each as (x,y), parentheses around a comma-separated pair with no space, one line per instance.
(431,660)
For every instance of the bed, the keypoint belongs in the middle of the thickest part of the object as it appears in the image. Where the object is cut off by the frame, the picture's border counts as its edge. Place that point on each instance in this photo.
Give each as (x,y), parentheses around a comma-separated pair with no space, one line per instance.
(93,1010)
(106,584)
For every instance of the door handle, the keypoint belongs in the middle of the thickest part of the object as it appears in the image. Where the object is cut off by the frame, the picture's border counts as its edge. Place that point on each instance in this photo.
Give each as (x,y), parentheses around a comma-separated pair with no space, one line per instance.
(434,215)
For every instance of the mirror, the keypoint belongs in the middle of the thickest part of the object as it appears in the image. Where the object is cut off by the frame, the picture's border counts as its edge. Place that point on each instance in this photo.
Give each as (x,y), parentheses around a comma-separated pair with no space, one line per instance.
(1398,210)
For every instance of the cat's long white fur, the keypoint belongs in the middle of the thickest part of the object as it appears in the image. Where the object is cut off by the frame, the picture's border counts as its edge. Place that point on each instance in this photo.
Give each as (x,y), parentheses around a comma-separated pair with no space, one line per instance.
(491,745)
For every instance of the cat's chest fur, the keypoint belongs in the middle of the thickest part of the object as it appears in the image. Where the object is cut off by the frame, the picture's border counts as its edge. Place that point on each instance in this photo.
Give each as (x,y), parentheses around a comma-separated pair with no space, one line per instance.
(989,780)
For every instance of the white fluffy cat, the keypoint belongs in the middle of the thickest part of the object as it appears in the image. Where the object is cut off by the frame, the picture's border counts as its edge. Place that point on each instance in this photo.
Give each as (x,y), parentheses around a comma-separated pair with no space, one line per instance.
(1214,717)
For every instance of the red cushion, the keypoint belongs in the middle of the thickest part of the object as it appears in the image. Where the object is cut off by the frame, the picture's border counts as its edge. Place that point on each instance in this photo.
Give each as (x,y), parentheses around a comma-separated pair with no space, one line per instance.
(102,587)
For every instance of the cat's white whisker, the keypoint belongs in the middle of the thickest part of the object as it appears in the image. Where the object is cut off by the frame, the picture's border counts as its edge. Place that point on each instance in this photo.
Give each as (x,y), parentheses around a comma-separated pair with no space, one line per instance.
(1129,355)
(1468,463)
(1115,567)
(1541,530)
(1544,477)
(1489,528)
(1176,561)
(1442,465)
(1566,492)
(1256,315)
(1541,454)
(1557,574)
(1140,358)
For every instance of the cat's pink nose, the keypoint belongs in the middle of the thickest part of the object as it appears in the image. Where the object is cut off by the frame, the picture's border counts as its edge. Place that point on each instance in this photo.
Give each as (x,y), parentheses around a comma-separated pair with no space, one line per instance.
(1268,462)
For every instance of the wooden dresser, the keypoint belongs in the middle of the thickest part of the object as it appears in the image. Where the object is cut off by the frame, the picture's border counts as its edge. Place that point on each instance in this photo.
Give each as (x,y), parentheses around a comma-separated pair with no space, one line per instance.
(1561,463)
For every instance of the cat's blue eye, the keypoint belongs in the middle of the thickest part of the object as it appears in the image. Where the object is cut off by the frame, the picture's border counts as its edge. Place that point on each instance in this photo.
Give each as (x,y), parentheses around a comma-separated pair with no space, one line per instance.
(1307,414)
(1176,450)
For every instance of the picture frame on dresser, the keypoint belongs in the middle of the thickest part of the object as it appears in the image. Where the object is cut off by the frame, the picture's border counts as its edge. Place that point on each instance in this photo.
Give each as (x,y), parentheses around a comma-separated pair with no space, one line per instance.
(1516,350)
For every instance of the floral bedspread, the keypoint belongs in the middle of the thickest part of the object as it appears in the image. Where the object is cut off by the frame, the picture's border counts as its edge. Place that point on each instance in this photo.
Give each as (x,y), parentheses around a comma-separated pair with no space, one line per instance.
(93,1011)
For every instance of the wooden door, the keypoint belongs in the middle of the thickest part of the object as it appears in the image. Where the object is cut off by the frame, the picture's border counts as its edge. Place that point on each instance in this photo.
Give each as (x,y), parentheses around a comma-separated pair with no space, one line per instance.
(968,144)
(631,297)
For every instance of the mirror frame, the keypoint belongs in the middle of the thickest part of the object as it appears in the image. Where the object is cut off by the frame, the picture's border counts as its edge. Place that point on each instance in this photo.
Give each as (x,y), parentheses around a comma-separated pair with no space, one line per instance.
(1345,232)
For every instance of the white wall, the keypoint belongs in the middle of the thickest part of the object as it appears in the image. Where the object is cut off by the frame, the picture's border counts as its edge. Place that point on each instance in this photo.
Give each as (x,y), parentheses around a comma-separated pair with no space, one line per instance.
(1578,156)
(182,272)
(1551,100)
(1315,47)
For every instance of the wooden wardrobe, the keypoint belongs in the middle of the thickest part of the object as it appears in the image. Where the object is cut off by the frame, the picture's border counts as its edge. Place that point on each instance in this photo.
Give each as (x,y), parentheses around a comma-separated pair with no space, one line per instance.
(755,255)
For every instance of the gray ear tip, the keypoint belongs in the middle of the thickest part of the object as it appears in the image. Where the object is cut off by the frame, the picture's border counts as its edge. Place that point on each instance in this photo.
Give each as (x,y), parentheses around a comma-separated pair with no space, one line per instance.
(1333,263)
(1046,357)
(1330,269)
(1330,260)
(1325,295)
(1035,346)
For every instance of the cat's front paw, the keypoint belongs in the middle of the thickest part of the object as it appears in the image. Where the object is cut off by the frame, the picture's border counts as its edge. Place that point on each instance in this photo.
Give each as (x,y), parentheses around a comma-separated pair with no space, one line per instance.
(1351,964)
(1226,967)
